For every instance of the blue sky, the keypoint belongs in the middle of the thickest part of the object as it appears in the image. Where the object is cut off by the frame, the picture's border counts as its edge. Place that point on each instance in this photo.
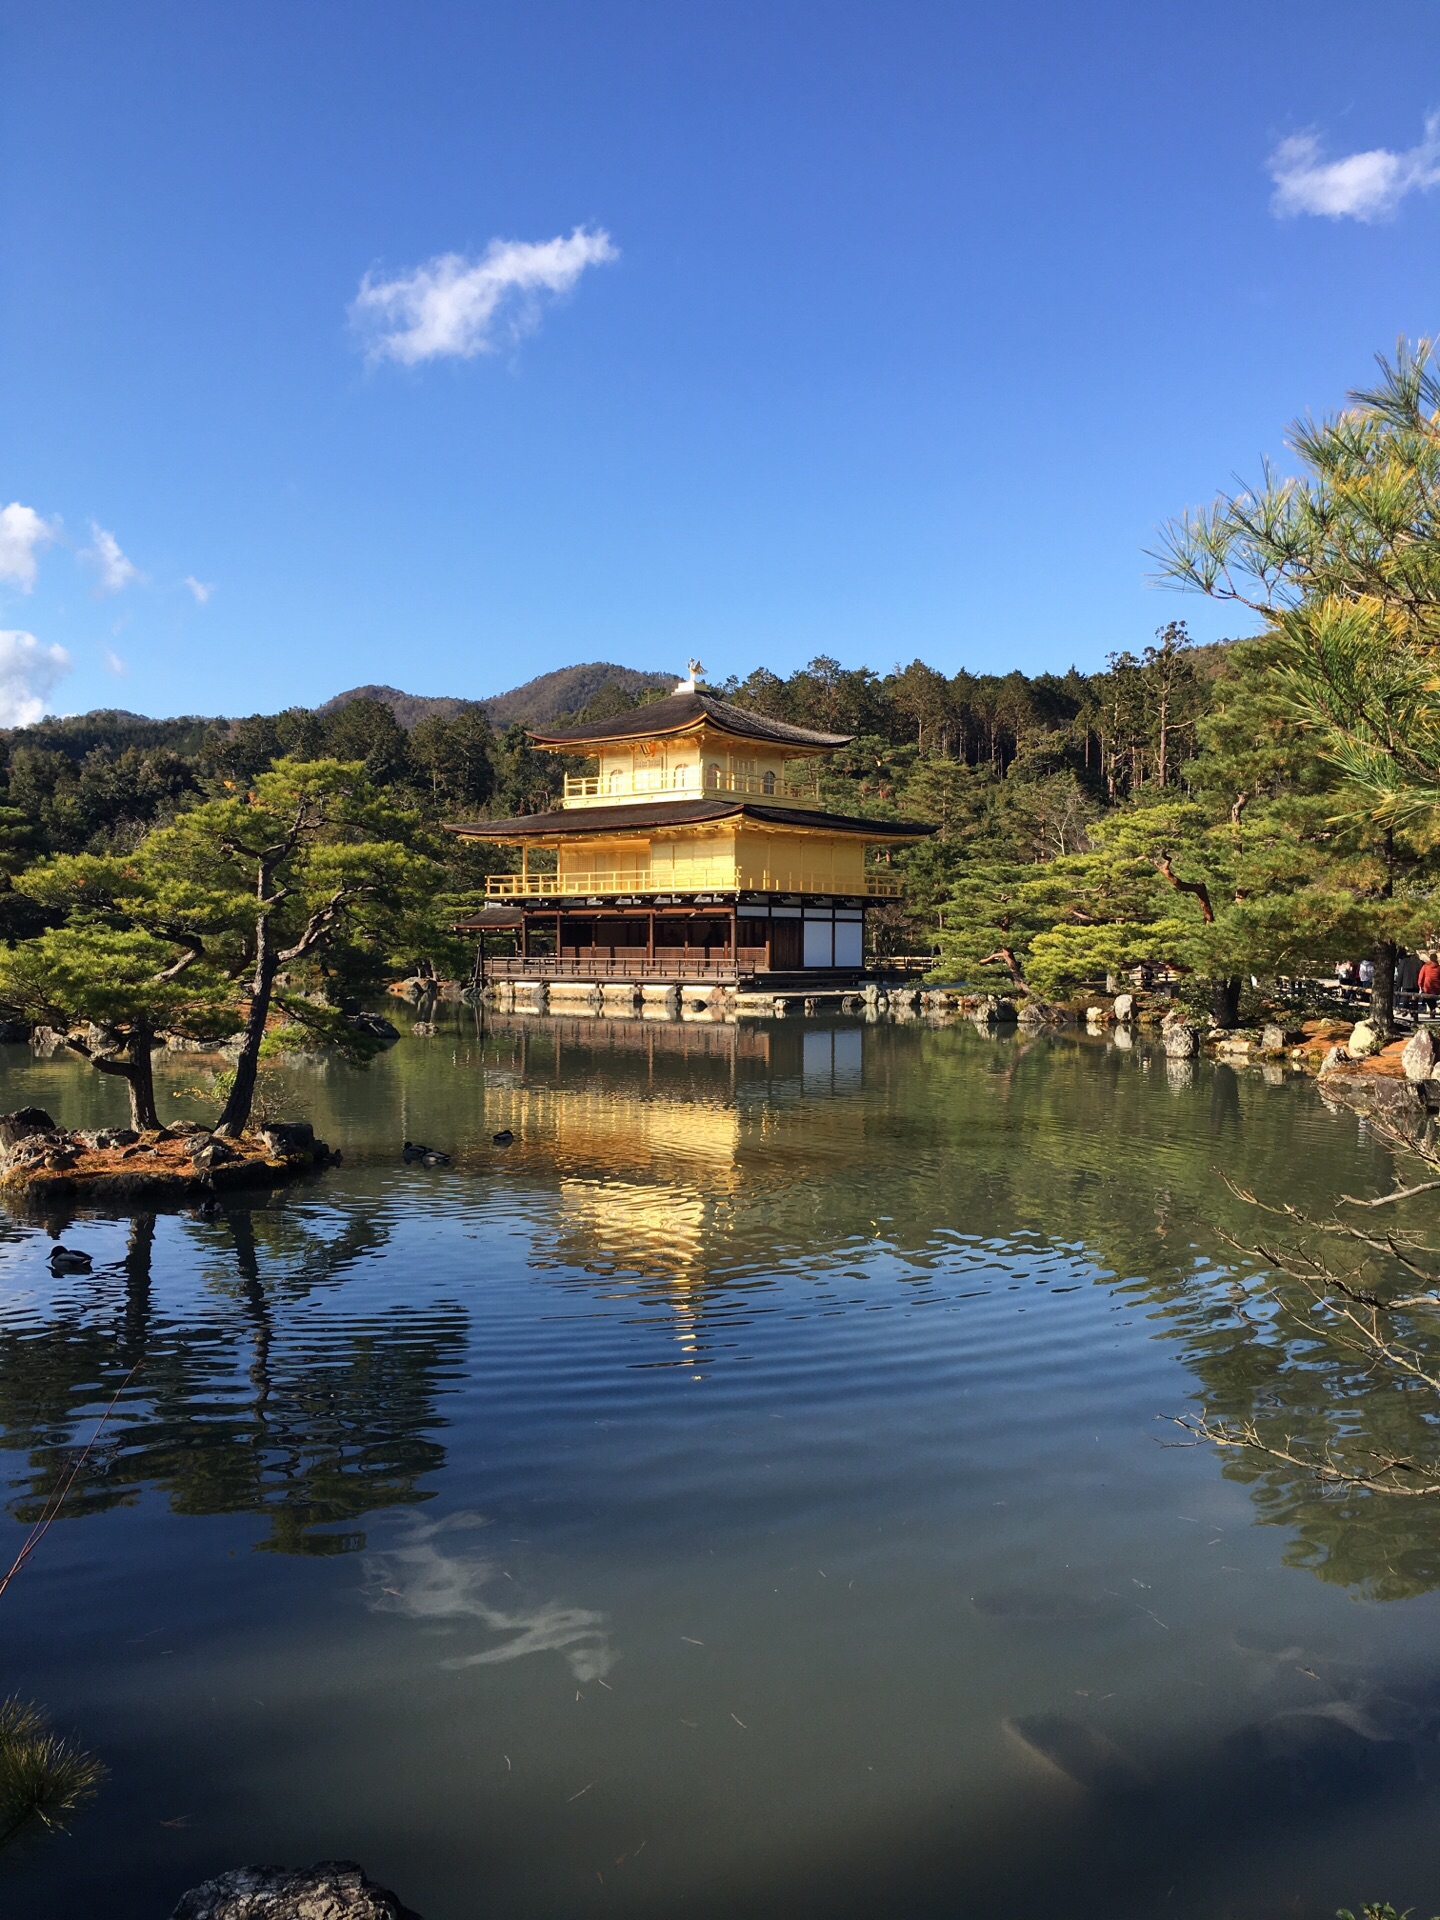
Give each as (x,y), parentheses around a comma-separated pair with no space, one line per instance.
(872,330)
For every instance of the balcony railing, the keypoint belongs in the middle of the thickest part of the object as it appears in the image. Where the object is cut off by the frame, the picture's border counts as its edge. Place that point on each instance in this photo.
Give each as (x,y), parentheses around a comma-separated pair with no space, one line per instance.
(678,963)
(719,878)
(685,783)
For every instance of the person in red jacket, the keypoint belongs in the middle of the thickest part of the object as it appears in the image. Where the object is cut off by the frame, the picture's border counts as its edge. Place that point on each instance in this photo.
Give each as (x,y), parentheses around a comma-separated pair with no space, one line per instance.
(1428,984)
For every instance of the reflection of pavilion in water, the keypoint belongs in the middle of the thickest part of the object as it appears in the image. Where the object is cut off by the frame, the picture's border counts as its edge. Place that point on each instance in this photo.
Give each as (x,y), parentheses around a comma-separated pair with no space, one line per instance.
(688,1155)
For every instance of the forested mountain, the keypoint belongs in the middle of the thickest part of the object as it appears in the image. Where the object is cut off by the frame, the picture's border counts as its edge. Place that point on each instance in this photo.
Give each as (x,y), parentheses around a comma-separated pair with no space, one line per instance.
(408,708)
(551,697)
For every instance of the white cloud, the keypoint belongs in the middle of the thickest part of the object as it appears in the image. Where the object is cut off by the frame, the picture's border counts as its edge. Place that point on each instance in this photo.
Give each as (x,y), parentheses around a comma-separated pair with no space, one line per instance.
(114,664)
(420,1581)
(22,534)
(1362,186)
(202,589)
(453,306)
(115,570)
(28,672)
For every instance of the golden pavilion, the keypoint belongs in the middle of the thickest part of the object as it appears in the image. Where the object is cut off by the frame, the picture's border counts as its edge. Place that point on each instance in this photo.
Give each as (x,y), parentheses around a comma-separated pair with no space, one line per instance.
(696,850)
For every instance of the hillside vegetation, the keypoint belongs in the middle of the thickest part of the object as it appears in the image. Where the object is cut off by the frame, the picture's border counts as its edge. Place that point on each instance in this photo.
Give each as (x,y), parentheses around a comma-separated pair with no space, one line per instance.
(1164,811)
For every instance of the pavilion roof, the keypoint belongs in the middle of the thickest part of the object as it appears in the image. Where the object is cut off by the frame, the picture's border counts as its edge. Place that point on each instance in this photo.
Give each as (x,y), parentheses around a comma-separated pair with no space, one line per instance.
(686,713)
(589,822)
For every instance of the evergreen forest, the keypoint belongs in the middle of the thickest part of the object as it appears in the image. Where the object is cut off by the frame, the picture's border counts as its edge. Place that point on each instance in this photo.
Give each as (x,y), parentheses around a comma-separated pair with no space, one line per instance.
(1164,810)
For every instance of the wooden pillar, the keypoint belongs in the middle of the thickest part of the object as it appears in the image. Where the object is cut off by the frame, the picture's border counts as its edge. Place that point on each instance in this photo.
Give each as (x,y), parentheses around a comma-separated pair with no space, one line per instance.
(650,946)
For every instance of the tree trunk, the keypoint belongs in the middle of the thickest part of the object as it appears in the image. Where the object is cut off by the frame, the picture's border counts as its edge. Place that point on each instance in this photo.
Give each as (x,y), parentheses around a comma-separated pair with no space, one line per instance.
(140,1079)
(235,1115)
(1382,989)
(1225,1000)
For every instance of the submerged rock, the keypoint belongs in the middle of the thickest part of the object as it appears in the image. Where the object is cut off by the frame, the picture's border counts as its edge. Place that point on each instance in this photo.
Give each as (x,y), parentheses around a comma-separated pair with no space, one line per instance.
(333,1890)
(1090,1759)
(1317,1753)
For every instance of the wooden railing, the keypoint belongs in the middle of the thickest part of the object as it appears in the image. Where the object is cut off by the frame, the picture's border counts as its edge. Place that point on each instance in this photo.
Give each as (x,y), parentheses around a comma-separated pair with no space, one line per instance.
(676,963)
(719,878)
(683,783)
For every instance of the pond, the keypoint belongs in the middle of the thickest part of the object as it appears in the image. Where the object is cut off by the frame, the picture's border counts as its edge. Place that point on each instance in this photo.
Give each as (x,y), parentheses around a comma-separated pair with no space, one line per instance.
(752,1490)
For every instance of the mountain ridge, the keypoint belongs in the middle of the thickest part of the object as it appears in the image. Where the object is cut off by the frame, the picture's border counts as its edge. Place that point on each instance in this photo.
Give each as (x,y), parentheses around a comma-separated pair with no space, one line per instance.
(538,702)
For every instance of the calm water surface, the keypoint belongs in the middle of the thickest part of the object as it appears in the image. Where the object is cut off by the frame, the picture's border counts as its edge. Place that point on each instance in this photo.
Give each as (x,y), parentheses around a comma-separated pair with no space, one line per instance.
(677,1509)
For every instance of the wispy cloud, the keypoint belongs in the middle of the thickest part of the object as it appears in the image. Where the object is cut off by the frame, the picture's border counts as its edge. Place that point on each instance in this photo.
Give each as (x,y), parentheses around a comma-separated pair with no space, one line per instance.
(22,534)
(29,670)
(114,570)
(202,589)
(1361,186)
(420,1581)
(114,664)
(454,307)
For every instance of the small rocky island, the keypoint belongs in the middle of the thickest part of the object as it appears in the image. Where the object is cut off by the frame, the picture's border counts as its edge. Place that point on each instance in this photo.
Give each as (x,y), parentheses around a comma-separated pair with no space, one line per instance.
(41,1161)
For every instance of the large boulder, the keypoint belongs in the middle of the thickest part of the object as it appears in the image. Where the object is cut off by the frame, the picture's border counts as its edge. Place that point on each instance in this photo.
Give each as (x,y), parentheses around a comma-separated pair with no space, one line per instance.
(333,1890)
(375,1026)
(1180,1040)
(1363,1041)
(23,1122)
(1419,1055)
(992,1011)
(206,1151)
(1124,1008)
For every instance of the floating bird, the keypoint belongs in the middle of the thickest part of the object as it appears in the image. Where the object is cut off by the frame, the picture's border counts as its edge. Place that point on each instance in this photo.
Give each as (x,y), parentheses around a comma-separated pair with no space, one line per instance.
(427,1156)
(70,1260)
(504,1138)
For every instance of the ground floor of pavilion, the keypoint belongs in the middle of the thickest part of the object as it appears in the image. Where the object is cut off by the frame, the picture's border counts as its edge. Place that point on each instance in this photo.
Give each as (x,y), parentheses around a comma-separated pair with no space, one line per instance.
(725,941)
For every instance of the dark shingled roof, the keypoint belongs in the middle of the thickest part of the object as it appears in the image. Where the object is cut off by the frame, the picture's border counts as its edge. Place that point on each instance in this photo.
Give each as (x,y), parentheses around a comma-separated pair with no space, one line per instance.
(490,920)
(680,712)
(578,821)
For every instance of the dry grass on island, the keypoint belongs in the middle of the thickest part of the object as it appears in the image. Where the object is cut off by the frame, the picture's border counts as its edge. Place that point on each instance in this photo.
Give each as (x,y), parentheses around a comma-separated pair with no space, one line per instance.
(40,1160)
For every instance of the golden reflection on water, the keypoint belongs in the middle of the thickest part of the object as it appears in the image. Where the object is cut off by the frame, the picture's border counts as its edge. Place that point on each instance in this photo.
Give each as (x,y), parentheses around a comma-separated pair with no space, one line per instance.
(678,1150)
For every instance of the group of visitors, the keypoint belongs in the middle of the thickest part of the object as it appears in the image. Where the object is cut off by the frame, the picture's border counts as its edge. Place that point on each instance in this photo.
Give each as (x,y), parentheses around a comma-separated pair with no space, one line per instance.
(1417,978)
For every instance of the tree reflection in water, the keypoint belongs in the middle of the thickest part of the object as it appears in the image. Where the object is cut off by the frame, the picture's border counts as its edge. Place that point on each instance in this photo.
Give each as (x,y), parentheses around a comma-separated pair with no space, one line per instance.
(692,1165)
(311,1420)
(1318,1369)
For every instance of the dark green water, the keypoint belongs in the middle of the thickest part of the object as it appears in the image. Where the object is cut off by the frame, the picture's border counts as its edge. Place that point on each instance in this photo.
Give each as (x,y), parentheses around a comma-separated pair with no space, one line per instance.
(670,1511)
